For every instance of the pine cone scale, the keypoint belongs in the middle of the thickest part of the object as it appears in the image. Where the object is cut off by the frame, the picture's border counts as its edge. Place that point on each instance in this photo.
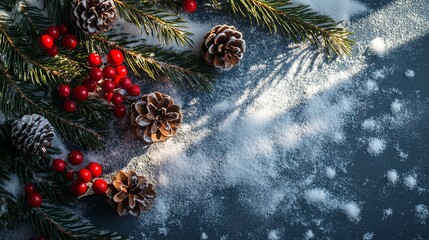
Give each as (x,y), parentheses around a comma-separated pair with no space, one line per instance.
(94,16)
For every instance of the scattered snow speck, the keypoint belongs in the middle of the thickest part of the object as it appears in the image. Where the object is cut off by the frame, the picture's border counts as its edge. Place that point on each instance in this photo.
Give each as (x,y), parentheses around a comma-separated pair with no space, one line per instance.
(379,74)
(368,236)
(409,73)
(309,234)
(316,195)
(392,176)
(273,235)
(204,236)
(387,213)
(257,67)
(13,186)
(340,10)
(395,106)
(371,86)
(377,46)
(163,231)
(376,146)
(330,172)
(369,125)
(422,213)
(410,181)
(352,211)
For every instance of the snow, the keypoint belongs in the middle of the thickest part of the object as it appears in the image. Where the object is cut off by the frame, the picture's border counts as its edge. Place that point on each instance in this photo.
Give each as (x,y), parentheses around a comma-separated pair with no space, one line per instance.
(368,236)
(309,235)
(422,213)
(392,176)
(274,235)
(330,172)
(204,236)
(316,195)
(369,125)
(337,9)
(396,106)
(376,146)
(387,213)
(409,73)
(352,211)
(13,186)
(410,181)
(371,86)
(377,46)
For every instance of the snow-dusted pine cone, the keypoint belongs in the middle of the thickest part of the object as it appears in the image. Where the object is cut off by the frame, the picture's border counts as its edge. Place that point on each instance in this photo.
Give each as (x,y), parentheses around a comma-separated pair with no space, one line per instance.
(223,47)
(94,16)
(32,133)
(155,118)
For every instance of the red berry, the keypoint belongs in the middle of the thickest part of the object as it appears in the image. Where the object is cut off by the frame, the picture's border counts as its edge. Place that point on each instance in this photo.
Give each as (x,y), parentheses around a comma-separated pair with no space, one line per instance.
(109,72)
(95,74)
(59,165)
(189,6)
(108,86)
(69,106)
(134,90)
(94,60)
(80,93)
(108,96)
(75,157)
(63,28)
(78,188)
(90,85)
(41,238)
(64,90)
(84,175)
(69,174)
(54,32)
(117,80)
(99,186)
(120,111)
(69,41)
(53,51)
(116,99)
(46,41)
(125,83)
(115,57)
(95,169)
(121,70)
(34,199)
(29,188)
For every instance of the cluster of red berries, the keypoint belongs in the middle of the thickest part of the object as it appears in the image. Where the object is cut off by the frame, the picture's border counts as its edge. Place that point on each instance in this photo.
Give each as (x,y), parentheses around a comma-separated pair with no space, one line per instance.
(189,6)
(34,199)
(83,176)
(111,82)
(53,33)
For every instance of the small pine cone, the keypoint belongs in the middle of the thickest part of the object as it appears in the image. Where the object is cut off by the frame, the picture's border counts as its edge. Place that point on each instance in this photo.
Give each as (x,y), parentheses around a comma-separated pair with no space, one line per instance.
(94,16)
(32,133)
(155,118)
(223,47)
(130,193)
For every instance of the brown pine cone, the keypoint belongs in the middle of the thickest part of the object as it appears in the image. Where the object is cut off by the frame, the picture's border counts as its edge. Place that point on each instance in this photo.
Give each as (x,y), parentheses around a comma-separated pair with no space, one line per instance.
(155,118)
(130,193)
(223,47)
(94,16)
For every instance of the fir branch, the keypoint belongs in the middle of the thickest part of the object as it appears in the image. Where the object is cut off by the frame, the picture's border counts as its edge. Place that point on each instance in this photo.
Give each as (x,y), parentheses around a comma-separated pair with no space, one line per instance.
(56,223)
(59,10)
(29,20)
(165,26)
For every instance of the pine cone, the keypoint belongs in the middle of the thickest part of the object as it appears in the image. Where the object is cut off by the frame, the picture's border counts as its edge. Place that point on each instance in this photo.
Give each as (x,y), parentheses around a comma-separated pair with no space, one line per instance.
(32,133)
(94,16)
(130,193)
(155,118)
(223,47)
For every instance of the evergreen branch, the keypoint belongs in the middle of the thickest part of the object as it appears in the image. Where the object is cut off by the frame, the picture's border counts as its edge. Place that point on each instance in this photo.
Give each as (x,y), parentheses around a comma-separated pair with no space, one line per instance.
(56,223)
(165,26)
(297,22)
(18,97)
(29,20)
(59,10)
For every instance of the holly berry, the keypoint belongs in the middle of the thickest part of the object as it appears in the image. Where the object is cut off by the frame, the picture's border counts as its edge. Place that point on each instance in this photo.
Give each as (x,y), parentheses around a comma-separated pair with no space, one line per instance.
(99,186)
(34,199)
(63,28)
(120,111)
(80,93)
(70,106)
(69,174)
(189,6)
(75,157)
(108,86)
(117,80)
(125,83)
(108,96)
(59,165)
(115,57)
(109,72)
(53,51)
(54,32)
(41,238)
(90,85)
(64,90)
(29,188)
(134,90)
(84,175)
(94,60)
(46,41)
(95,169)
(78,188)
(95,74)
(121,70)
(116,99)
(69,41)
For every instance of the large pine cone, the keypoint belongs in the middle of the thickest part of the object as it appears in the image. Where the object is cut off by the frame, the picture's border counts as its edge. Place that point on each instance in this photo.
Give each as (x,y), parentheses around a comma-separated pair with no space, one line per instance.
(32,133)
(223,47)
(94,16)
(130,193)
(155,118)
